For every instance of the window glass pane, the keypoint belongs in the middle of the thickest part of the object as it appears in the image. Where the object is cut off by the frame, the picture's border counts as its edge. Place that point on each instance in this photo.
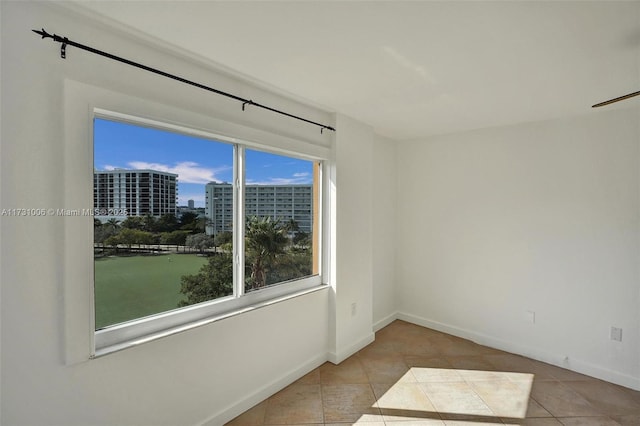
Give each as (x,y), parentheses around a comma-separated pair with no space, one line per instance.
(280,209)
(154,246)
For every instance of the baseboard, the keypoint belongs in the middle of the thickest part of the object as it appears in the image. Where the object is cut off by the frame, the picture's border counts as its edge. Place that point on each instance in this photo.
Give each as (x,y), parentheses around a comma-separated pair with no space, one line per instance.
(439,326)
(559,360)
(379,325)
(339,356)
(264,392)
(291,376)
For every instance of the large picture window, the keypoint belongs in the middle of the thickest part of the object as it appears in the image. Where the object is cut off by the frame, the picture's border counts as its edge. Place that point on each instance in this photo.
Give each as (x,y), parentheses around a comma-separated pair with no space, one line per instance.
(188,226)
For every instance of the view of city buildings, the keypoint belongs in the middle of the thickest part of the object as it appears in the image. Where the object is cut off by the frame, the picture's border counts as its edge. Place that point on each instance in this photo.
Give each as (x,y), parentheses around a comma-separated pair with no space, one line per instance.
(283,202)
(120,193)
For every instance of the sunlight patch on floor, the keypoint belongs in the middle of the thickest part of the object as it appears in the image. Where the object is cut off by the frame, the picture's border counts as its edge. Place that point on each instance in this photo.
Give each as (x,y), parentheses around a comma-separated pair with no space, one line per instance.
(428,395)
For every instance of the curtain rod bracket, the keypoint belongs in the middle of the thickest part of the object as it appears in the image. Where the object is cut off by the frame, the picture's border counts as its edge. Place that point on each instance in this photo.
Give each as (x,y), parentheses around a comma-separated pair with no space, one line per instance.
(250,102)
(63,48)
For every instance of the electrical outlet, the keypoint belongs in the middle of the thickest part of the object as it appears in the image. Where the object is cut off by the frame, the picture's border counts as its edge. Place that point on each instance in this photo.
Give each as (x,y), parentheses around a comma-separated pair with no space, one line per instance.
(354,309)
(616,334)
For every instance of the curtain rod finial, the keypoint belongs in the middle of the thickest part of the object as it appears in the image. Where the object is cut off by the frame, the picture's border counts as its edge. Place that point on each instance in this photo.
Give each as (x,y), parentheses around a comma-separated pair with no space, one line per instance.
(43,33)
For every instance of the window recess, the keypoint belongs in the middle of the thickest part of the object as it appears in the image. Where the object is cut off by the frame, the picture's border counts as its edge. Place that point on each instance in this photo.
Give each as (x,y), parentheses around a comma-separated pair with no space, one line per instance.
(161,266)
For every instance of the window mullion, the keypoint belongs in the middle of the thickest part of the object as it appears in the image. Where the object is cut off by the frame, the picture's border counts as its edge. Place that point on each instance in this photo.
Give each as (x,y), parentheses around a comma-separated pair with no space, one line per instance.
(238,219)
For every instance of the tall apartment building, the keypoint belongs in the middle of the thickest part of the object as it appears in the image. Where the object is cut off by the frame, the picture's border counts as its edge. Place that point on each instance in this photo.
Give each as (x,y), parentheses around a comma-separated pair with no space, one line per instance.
(120,193)
(282,202)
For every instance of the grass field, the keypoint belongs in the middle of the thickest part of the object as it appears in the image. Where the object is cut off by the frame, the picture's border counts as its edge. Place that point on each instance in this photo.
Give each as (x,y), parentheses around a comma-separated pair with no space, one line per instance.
(132,287)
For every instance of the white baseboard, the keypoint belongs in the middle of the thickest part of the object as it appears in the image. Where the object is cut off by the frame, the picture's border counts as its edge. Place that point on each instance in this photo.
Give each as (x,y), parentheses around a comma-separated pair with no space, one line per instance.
(264,392)
(291,376)
(559,360)
(379,325)
(342,354)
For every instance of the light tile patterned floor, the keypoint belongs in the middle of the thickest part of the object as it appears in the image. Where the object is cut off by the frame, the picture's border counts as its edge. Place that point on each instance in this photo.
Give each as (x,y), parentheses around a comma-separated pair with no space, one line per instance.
(413,376)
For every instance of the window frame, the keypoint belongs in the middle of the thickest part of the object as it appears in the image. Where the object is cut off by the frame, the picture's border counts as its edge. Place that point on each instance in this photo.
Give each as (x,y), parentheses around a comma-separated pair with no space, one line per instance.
(135,332)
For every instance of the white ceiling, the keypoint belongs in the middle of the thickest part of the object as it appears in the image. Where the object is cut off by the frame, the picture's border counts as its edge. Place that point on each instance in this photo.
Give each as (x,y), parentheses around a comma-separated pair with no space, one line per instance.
(414,69)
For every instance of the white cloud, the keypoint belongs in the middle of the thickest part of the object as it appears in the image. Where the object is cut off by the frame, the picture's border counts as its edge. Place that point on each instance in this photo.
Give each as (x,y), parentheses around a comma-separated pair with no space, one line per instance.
(300,175)
(301,180)
(187,171)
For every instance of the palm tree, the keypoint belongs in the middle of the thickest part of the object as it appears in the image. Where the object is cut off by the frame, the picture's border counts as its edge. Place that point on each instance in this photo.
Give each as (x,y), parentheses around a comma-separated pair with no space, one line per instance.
(265,242)
(149,223)
(114,223)
(292,226)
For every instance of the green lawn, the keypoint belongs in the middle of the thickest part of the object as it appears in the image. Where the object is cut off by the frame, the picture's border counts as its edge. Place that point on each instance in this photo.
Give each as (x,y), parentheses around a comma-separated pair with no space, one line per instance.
(136,286)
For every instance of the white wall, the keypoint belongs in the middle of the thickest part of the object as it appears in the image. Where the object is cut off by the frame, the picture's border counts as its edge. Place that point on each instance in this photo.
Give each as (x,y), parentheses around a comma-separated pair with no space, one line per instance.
(384,231)
(538,217)
(352,256)
(207,373)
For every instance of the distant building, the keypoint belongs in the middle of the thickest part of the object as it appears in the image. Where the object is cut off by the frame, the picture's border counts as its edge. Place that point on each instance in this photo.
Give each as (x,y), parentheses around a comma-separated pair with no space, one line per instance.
(121,193)
(191,204)
(284,202)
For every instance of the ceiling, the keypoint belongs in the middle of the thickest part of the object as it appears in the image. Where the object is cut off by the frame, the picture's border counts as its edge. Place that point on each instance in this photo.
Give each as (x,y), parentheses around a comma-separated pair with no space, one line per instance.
(418,68)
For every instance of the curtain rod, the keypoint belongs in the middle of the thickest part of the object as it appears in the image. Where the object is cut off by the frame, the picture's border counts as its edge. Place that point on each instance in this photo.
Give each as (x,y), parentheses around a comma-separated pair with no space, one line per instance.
(63,54)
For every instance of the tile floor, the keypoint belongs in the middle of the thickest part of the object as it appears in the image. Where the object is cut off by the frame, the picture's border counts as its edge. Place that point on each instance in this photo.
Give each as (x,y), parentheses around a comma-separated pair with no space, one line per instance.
(413,376)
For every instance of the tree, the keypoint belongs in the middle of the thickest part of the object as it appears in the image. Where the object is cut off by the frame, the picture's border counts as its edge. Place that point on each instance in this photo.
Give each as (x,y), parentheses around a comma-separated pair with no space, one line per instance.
(133,222)
(175,238)
(224,239)
(200,225)
(291,226)
(296,263)
(265,242)
(143,237)
(269,258)
(302,239)
(113,242)
(127,236)
(189,222)
(188,217)
(113,223)
(102,233)
(149,223)
(167,223)
(214,280)
(201,242)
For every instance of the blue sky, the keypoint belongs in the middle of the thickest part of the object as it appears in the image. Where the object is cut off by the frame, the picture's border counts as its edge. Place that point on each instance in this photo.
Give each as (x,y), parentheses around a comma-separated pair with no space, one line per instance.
(196,161)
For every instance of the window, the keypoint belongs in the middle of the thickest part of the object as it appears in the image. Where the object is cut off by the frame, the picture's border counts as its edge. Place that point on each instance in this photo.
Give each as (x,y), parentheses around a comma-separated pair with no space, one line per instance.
(150,250)
(162,261)
(278,245)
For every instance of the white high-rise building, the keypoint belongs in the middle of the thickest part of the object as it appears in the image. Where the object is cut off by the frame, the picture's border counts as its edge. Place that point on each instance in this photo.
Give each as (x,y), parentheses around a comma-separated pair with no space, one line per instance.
(121,193)
(283,202)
